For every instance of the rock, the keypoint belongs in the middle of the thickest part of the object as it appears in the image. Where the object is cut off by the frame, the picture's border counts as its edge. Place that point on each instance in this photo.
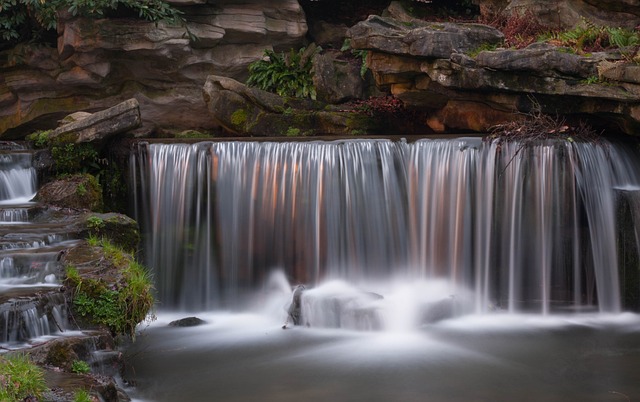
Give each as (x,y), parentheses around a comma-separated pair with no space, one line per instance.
(328,35)
(540,59)
(567,14)
(80,191)
(99,126)
(294,312)
(74,117)
(242,110)
(57,355)
(187,322)
(336,80)
(421,39)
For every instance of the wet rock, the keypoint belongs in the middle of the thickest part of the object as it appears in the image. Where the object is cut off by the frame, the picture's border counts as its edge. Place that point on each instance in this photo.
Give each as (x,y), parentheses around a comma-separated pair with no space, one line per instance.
(187,322)
(294,311)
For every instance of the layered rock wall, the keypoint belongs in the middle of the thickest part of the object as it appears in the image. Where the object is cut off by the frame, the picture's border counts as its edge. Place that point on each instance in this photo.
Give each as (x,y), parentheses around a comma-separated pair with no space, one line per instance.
(99,63)
(438,67)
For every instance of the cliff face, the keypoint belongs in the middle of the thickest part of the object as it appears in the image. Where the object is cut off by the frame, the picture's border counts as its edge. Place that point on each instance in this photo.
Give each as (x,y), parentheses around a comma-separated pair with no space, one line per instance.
(99,63)
(434,67)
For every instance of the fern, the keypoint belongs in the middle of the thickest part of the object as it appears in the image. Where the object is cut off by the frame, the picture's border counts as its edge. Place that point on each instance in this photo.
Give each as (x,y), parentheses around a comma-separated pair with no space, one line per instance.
(287,74)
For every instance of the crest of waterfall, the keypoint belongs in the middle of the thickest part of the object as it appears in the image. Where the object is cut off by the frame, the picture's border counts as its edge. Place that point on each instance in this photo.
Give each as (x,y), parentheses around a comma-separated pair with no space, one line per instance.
(523,226)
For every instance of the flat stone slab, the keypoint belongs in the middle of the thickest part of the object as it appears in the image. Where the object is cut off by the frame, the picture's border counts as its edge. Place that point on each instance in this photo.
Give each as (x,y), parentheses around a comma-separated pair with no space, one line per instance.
(101,125)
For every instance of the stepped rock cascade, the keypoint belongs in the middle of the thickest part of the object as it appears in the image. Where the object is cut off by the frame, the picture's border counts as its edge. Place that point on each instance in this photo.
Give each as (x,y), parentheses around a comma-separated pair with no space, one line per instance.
(29,254)
(520,226)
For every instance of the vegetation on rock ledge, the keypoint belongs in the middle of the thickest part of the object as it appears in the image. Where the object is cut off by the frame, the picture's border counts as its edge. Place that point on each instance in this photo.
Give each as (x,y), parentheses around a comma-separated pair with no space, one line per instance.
(118,303)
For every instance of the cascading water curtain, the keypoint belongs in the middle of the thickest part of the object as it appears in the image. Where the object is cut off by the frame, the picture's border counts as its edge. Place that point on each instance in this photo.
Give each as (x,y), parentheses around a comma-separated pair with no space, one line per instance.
(526,226)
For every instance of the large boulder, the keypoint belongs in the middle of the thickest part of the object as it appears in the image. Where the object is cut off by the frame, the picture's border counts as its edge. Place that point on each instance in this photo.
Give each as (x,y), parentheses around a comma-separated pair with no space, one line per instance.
(246,111)
(99,63)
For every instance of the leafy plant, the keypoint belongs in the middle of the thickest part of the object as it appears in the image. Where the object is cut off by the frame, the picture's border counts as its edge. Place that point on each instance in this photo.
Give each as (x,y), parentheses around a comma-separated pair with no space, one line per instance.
(594,79)
(588,36)
(40,139)
(287,74)
(95,224)
(20,379)
(80,367)
(30,19)
(360,54)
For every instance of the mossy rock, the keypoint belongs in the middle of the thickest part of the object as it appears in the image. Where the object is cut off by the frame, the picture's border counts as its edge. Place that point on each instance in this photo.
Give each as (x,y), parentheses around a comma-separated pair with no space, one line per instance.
(108,288)
(119,229)
(79,191)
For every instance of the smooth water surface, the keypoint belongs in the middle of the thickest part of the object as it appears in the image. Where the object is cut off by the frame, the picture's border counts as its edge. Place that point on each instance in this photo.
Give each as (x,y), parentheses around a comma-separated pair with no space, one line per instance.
(243,357)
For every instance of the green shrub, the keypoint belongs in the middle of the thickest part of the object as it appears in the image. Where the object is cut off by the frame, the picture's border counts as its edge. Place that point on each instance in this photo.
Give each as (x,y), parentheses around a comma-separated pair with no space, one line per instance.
(20,378)
(287,74)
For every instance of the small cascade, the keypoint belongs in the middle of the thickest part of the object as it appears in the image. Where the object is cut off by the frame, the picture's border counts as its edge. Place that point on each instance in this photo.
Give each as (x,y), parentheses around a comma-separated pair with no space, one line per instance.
(18,179)
(28,256)
(512,227)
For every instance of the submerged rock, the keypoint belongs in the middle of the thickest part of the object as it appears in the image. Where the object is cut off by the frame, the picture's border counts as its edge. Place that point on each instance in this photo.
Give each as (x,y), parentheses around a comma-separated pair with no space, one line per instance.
(187,322)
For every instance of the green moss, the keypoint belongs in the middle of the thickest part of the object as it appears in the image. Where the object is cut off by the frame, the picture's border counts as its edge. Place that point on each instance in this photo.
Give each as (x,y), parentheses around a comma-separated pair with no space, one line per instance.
(192,134)
(239,117)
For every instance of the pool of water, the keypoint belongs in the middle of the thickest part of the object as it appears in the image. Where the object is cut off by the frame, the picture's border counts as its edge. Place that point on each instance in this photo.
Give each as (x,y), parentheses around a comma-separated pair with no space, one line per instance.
(495,357)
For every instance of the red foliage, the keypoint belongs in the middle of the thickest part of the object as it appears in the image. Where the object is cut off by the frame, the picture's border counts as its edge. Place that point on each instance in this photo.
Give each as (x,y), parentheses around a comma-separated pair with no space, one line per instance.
(519,29)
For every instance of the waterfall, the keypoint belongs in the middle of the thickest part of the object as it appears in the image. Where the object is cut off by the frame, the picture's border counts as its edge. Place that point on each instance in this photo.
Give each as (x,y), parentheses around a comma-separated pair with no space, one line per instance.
(18,179)
(521,226)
